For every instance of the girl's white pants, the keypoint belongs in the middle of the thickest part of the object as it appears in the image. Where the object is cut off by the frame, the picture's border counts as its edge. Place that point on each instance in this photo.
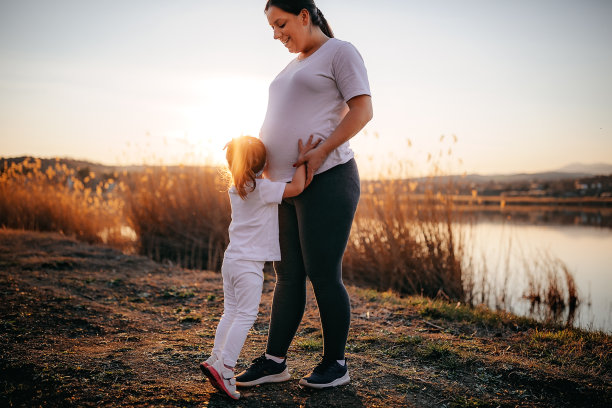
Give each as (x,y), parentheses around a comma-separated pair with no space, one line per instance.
(242,285)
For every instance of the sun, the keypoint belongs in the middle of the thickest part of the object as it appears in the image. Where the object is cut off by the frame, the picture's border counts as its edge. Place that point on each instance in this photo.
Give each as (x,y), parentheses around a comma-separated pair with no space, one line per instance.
(224,108)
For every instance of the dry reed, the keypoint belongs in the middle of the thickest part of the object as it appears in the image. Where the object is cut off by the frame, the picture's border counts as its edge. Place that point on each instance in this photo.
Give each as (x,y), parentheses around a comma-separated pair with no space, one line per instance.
(551,289)
(180,215)
(59,199)
(405,245)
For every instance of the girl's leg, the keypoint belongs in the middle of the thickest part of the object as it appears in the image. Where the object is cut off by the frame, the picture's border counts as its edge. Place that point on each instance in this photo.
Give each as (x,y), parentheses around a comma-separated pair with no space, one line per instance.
(290,289)
(325,214)
(229,309)
(247,280)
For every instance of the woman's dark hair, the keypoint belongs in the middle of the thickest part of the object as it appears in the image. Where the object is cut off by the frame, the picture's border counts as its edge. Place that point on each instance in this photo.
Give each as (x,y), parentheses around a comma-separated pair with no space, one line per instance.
(296,6)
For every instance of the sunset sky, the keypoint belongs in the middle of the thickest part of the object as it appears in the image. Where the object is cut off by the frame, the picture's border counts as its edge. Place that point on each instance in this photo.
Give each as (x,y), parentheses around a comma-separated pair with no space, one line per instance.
(524,85)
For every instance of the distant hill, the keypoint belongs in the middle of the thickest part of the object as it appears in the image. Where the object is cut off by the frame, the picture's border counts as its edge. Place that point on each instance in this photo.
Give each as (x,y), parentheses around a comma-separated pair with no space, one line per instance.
(571,171)
(596,169)
(507,178)
(512,178)
(82,165)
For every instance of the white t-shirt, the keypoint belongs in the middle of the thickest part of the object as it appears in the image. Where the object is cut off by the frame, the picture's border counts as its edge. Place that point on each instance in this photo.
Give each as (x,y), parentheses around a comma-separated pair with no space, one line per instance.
(309,97)
(253,232)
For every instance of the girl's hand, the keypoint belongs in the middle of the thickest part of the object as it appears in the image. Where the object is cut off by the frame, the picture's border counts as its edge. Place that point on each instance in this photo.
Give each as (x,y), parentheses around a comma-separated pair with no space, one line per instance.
(305,148)
(312,156)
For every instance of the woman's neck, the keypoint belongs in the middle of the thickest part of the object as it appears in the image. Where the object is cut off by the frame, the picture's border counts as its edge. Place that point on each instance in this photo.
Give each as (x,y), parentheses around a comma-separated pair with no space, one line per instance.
(316,41)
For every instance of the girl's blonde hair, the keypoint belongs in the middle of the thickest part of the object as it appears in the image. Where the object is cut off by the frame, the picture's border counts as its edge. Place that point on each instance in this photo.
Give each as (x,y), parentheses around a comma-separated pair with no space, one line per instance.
(246,158)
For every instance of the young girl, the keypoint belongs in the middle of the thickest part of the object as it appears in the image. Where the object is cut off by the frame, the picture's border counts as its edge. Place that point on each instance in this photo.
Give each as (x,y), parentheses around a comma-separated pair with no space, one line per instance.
(253,234)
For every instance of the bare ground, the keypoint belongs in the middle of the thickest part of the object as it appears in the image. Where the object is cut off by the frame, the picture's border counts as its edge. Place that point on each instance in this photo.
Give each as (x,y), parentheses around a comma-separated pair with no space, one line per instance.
(85,325)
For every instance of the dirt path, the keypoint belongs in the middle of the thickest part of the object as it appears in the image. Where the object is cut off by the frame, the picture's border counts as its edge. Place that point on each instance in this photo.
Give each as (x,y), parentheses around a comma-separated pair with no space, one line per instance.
(86,325)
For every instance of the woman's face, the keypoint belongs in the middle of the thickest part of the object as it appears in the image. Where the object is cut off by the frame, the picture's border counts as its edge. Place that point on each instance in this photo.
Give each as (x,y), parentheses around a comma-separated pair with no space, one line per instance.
(288,28)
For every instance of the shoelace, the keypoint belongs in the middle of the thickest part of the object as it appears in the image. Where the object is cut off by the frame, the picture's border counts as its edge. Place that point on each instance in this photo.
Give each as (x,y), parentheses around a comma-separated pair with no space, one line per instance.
(259,361)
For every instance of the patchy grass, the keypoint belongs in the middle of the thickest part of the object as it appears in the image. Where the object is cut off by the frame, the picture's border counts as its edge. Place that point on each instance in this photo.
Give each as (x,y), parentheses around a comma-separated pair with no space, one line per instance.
(466,402)
(568,346)
(119,330)
(191,319)
(456,312)
(479,315)
(310,344)
(177,293)
(442,353)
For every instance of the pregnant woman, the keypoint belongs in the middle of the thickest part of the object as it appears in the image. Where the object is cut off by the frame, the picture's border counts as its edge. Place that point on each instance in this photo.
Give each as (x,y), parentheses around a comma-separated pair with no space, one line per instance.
(323,92)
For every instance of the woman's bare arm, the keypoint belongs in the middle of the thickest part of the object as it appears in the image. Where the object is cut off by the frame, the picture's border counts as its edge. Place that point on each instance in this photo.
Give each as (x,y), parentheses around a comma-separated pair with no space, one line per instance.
(359,114)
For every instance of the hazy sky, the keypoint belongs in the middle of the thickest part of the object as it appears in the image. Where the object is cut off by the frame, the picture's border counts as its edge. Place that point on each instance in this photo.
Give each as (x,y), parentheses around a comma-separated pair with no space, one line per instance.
(525,85)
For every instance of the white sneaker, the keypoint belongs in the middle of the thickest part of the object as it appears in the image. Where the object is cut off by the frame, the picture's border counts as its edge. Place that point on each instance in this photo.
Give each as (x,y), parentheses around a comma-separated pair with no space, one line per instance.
(222,378)
(209,361)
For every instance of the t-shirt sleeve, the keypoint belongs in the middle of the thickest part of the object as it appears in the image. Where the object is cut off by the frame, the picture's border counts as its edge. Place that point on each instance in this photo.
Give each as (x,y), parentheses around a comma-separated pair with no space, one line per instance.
(271,192)
(350,72)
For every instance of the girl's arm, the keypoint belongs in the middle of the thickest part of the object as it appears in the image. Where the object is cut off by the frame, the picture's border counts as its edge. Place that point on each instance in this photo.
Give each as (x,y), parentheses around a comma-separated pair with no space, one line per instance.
(359,114)
(297,184)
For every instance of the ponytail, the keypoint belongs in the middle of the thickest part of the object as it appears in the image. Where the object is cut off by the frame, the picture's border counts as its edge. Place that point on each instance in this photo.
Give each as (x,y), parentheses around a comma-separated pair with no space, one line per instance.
(296,6)
(246,158)
(323,24)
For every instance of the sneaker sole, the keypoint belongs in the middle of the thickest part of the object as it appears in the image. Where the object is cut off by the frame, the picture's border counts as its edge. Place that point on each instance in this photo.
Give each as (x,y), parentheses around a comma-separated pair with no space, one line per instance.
(345,379)
(274,378)
(204,368)
(215,380)
(211,378)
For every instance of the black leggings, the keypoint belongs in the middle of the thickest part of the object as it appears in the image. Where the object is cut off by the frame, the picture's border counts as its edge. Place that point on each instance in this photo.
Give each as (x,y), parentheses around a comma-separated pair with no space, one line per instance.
(313,229)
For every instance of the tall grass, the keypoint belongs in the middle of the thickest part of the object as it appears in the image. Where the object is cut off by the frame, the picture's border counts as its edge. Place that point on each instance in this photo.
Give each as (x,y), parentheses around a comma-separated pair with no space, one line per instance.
(551,289)
(59,199)
(180,215)
(407,245)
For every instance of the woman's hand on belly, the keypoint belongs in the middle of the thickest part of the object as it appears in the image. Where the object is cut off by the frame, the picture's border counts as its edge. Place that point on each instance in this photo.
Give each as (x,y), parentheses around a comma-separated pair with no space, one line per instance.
(312,156)
(360,113)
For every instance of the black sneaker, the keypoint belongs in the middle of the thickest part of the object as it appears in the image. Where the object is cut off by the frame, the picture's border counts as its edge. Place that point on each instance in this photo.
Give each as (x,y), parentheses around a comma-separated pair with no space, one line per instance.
(328,373)
(261,371)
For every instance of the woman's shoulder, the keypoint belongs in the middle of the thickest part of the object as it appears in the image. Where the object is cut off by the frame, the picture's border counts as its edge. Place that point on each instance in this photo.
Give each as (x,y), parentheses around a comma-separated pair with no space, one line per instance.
(345,55)
(344,49)
(335,45)
(339,44)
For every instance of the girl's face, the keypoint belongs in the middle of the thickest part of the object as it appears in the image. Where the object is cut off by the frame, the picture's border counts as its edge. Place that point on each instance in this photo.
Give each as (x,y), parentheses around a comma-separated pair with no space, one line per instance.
(288,28)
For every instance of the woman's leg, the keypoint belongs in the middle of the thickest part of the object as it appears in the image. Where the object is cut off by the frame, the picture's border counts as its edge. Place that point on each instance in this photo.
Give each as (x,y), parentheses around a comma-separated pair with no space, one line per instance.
(313,230)
(290,289)
(287,305)
(325,213)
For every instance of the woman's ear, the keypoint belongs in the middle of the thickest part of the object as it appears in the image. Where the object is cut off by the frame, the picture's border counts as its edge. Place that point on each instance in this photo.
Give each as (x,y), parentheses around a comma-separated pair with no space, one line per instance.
(304,17)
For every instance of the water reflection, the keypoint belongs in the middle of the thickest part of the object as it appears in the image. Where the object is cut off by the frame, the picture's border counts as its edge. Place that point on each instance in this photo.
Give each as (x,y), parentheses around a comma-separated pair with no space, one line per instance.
(597,217)
(512,250)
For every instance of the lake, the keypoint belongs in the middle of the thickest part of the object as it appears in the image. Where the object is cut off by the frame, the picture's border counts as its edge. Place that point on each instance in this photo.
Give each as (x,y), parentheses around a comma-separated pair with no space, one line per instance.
(506,251)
